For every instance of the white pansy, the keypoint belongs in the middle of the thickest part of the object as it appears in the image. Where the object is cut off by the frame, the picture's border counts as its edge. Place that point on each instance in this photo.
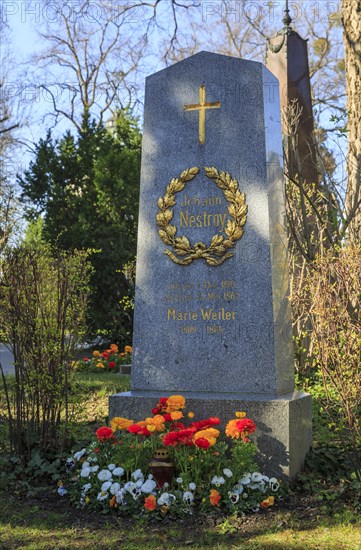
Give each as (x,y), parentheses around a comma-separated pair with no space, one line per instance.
(217,480)
(106,486)
(62,491)
(233,497)
(256,476)
(119,496)
(166,498)
(85,464)
(192,486)
(129,486)
(86,488)
(118,471)
(111,467)
(114,488)
(238,489)
(265,479)
(148,486)
(102,496)
(79,454)
(274,484)
(188,497)
(179,480)
(85,472)
(227,472)
(94,469)
(138,474)
(139,483)
(246,479)
(255,508)
(104,475)
(256,486)
(165,485)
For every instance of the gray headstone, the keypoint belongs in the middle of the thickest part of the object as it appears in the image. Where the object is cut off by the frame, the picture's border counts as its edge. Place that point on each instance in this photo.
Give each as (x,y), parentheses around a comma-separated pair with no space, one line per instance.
(212,317)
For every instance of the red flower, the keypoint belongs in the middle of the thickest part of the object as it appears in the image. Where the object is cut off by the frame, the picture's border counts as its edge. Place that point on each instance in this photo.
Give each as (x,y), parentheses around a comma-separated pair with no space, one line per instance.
(150,503)
(178,426)
(167,417)
(86,359)
(214,497)
(105,354)
(162,404)
(182,437)
(111,364)
(204,424)
(138,430)
(203,443)
(104,433)
(155,411)
(97,450)
(246,425)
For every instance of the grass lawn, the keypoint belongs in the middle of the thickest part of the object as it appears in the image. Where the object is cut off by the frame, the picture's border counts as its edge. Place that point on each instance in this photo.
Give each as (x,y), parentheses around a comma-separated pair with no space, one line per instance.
(39,519)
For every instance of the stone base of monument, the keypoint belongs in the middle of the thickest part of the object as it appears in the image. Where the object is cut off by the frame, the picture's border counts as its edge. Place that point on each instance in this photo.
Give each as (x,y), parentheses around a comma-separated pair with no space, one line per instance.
(284,423)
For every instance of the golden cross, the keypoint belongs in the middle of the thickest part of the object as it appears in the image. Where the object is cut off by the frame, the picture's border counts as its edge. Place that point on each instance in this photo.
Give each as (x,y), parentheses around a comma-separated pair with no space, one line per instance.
(201,107)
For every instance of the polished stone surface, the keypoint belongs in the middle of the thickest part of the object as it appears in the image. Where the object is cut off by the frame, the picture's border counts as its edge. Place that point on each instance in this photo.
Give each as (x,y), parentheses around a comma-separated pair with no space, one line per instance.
(247,347)
(220,335)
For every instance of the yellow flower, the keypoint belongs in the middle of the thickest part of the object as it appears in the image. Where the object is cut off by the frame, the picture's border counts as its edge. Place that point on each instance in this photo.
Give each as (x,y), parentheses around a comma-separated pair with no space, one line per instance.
(156,423)
(100,366)
(128,349)
(240,414)
(176,415)
(191,414)
(210,434)
(175,402)
(96,353)
(119,423)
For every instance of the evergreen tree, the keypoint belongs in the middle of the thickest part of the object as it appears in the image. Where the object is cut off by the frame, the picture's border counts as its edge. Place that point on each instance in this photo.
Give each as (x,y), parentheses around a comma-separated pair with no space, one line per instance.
(86,189)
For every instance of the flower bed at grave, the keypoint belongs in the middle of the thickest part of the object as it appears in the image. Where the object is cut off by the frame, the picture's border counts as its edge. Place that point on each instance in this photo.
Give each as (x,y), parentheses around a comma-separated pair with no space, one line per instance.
(212,470)
(109,360)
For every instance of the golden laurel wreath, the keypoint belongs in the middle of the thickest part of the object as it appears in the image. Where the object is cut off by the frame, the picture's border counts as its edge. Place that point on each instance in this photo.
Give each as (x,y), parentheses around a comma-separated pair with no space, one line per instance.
(219,249)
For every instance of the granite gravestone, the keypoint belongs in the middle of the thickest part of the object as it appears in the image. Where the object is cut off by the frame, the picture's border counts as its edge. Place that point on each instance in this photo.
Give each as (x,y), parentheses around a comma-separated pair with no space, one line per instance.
(212,315)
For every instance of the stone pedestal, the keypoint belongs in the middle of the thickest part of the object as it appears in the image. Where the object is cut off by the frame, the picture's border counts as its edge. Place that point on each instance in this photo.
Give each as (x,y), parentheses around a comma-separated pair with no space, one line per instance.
(284,424)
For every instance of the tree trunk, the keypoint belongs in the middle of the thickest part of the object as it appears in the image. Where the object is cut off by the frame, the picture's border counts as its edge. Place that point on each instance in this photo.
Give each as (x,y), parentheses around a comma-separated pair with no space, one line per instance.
(351,16)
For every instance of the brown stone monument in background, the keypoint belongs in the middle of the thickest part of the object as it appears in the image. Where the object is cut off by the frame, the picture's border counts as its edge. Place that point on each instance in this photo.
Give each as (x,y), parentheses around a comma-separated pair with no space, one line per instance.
(287,59)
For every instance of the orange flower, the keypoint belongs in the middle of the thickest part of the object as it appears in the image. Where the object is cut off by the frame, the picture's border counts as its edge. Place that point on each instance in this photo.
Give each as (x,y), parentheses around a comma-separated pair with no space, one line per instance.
(113,502)
(150,503)
(240,428)
(210,434)
(176,415)
(128,349)
(119,423)
(155,424)
(114,348)
(214,497)
(268,502)
(175,402)
(96,353)
(191,414)
(100,366)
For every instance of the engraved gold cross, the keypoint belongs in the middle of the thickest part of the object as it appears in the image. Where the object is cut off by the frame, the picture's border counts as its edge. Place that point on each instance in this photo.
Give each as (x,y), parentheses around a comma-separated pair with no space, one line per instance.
(201,107)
